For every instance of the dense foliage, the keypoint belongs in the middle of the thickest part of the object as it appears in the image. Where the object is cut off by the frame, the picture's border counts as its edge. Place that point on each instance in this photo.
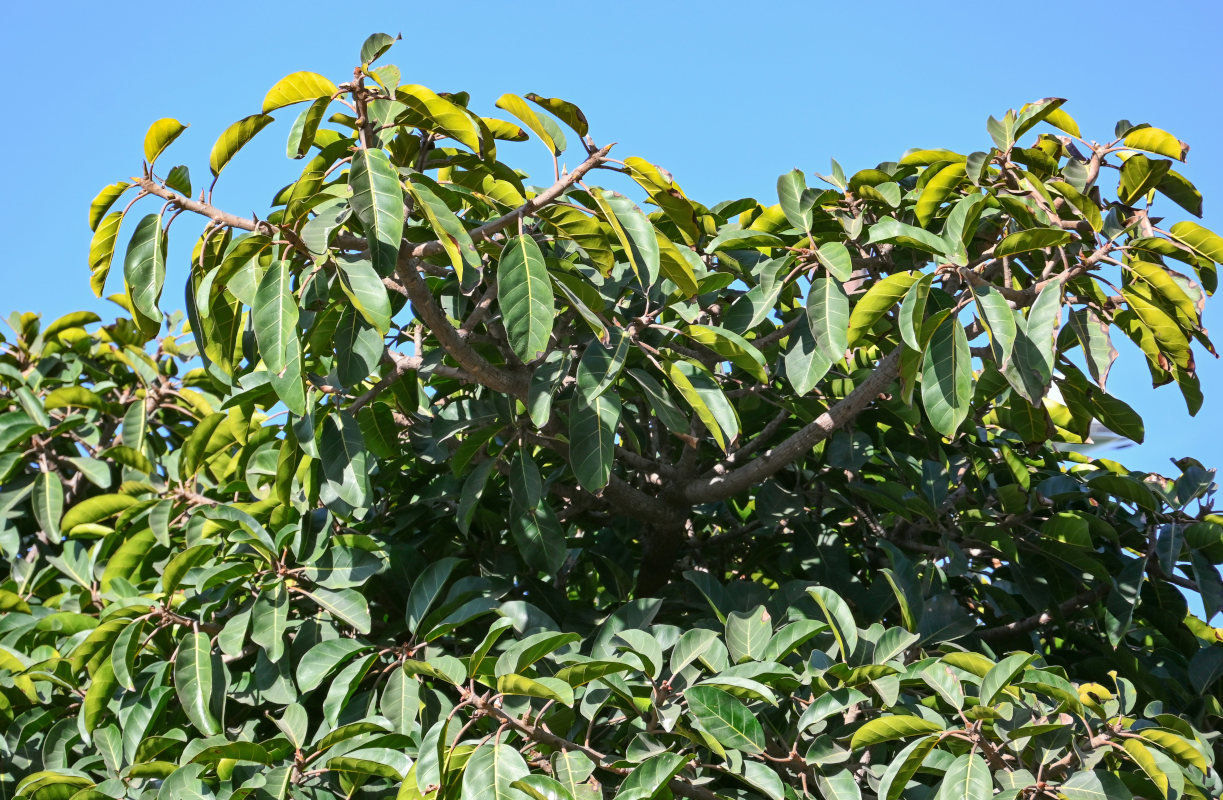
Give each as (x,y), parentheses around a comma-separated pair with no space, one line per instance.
(451,486)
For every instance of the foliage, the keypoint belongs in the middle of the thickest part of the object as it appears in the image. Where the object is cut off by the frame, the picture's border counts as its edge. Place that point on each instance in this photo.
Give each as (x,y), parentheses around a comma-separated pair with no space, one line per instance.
(451,486)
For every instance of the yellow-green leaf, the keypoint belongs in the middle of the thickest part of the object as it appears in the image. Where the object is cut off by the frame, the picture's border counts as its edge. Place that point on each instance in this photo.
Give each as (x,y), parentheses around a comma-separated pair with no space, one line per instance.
(234,139)
(161,133)
(298,87)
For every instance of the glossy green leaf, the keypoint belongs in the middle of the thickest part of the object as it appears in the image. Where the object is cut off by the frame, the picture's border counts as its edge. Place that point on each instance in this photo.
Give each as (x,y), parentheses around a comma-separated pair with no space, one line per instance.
(836,612)
(828,317)
(634,232)
(1032,239)
(491,770)
(544,128)
(539,537)
(377,200)
(706,398)
(999,321)
(524,294)
(144,267)
(651,776)
(566,112)
(726,719)
(275,315)
(946,381)
(968,778)
(878,301)
(592,439)
(194,682)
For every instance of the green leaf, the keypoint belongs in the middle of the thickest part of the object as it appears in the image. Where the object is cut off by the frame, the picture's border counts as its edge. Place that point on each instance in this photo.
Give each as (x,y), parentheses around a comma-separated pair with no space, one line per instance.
(544,128)
(904,765)
(298,87)
(891,727)
(946,381)
(836,259)
(651,776)
(542,688)
(524,295)
(1140,175)
(1157,141)
(1202,240)
(797,208)
(1032,239)
(193,682)
(102,250)
(725,719)
(346,605)
(566,112)
(358,347)
(123,654)
(541,787)
(95,509)
(375,45)
(539,537)
(161,133)
(360,282)
(913,313)
(897,232)
(104,200)
(48,502)
(439,114)
(455,239)
(937,189)
(839,786)
(377,200)
(1032,359)
(634,232)
(967,778)
(426,590)
(828,317)
(343,455)
(705,397)
(592,438)
(839,617)
(748,634)
(733,347)
(806,364)
(144,267)
(305,128)
(1001,675)
(877,302)
(323,659)
(491,770)
(999,322)
(269,620)
(601,365)
(274,315)
(1094,785)
(234,139)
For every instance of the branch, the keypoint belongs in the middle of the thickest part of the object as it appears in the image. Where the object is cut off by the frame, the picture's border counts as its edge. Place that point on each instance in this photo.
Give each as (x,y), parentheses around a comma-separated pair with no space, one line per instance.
(720,487)
(204,209)
(426,249)
(401,364)
(1044,618)
(428,311)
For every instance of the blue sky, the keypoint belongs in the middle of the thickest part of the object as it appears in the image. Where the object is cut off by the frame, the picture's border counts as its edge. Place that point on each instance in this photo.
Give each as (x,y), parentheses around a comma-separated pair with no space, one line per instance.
(726,96)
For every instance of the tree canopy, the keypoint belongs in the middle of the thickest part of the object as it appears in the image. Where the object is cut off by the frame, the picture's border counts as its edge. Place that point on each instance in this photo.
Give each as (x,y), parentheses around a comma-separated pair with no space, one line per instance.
(451,485)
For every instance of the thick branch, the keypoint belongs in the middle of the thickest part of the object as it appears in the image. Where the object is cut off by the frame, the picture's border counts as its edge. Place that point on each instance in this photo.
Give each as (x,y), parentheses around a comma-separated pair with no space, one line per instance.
(430,313)
(720,487)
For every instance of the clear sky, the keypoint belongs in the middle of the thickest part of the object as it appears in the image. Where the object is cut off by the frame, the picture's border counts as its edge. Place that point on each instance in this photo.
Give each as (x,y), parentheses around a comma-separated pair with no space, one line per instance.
(726,96)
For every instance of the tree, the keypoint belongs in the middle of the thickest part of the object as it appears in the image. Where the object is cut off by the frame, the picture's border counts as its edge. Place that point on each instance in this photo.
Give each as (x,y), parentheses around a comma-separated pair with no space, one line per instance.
(450,486)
